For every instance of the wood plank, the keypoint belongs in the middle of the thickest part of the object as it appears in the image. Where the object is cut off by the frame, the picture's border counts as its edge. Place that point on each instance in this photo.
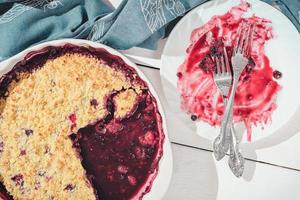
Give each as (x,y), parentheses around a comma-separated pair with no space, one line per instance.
(281,148)
(197,177)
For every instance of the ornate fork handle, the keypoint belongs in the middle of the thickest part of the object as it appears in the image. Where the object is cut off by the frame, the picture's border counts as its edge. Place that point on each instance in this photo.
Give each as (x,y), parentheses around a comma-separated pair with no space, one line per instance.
(227,117)
(236,160)
(223,141)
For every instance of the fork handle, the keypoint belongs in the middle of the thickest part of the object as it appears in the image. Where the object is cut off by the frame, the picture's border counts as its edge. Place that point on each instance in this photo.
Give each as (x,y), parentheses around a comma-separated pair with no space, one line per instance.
(221,143)
(225,133)
(236,160)
(228,115)
(227,126)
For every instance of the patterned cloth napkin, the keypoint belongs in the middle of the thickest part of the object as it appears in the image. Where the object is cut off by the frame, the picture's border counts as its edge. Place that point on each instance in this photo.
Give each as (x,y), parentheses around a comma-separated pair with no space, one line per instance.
(134,23)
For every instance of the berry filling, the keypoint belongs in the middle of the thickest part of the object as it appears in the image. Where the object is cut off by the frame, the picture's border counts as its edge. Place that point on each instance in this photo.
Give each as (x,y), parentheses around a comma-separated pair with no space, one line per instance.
(120,154)
(1,146)
(28,132)
(18,179)
(3,193)
(72,118)
(23,152)
(70,187)
(257,89)
(94,103)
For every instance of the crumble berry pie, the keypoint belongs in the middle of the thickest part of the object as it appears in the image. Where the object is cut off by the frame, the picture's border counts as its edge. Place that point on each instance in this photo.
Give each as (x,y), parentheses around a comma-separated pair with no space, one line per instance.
(77,123)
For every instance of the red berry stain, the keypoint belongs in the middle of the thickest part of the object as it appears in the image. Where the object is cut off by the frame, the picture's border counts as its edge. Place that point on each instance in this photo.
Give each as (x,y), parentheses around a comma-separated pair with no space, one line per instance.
(100,128)
(72,117)
(69,187)
(197,87)
(37,185)
(122,169)
(1,146)
(28,132)
(18,179)
(47,149)
(23,152)
(48,178)
(147,139)
(94,103)
(114,127)
(132,180)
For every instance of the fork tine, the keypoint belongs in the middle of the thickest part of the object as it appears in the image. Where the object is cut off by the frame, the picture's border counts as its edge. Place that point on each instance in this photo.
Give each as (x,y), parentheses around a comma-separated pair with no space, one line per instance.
(237,39)
(227,65)
(215,69)
(223,64)
(218,68)
(212,58)
(244,49)
(248,41)
(243,38)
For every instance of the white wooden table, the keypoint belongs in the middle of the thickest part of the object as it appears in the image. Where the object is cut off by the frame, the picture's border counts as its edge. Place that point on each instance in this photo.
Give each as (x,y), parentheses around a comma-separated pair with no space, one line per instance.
(272,165)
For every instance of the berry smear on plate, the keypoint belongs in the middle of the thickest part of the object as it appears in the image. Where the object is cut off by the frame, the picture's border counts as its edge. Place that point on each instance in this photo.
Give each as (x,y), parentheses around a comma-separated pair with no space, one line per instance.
(255,98)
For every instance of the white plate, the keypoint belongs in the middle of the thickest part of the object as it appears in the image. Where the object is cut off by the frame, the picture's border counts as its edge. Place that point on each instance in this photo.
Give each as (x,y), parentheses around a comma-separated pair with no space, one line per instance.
(283,51)
(161,182)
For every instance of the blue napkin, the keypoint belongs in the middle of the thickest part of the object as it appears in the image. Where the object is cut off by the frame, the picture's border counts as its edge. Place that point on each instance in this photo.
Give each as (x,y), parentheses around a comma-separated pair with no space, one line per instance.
(134,23)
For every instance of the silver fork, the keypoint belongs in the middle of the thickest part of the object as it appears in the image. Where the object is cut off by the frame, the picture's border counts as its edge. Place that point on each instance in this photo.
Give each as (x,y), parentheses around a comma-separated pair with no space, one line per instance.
(239,61)
(222,79)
